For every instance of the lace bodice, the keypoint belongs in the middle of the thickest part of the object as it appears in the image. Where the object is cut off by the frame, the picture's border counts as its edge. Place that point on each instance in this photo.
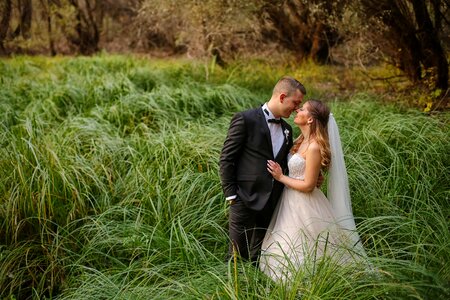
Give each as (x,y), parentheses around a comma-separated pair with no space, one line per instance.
(296,165)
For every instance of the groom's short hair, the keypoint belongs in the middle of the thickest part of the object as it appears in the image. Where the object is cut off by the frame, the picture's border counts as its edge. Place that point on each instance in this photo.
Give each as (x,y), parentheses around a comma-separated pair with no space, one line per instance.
(288,85)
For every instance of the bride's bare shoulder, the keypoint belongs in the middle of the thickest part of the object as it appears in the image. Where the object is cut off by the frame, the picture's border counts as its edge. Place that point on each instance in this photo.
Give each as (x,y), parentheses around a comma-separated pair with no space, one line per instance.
(314,146)
(313,150)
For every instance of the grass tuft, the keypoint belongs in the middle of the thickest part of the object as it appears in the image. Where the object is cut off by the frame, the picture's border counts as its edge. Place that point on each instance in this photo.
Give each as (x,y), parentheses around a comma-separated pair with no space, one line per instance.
(109,185)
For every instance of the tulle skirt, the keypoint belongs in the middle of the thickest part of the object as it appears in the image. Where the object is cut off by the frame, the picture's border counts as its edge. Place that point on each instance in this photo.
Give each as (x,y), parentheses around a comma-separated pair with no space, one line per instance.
(303,229)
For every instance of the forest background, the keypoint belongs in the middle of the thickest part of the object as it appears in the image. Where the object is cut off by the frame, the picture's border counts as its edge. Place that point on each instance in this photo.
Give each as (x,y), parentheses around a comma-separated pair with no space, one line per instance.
(113,114)
(411,35)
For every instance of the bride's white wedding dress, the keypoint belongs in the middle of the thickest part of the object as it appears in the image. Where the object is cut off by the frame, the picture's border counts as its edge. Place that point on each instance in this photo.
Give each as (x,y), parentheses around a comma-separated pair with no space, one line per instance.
(303,229)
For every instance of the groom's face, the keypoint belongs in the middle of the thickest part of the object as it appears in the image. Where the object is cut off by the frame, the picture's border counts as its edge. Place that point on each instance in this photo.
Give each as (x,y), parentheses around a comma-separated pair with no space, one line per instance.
(290,103)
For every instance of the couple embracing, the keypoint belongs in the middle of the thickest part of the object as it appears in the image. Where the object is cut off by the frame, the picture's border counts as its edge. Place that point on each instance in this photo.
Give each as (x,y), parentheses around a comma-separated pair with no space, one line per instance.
(277,215)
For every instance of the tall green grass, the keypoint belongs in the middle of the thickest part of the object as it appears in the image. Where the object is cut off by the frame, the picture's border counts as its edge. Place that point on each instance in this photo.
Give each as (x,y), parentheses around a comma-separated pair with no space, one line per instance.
(109,185)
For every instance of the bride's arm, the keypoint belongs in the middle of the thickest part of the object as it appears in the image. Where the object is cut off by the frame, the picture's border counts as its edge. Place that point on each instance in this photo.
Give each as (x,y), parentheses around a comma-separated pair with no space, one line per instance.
(312,171)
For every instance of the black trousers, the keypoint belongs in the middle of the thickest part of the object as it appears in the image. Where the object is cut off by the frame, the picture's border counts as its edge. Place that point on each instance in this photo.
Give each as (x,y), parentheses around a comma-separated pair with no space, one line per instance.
(247,228)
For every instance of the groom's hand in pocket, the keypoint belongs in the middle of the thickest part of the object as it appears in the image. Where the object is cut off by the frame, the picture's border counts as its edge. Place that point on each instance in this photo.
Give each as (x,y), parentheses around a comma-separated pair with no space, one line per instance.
(232,201)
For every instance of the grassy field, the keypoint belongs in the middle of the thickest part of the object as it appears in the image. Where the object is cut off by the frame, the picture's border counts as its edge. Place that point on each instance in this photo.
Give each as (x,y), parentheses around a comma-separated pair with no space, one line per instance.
(109,185)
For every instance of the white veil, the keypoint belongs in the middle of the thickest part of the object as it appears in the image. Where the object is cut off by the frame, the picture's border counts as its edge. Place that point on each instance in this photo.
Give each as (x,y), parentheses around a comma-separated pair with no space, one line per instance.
(338,192)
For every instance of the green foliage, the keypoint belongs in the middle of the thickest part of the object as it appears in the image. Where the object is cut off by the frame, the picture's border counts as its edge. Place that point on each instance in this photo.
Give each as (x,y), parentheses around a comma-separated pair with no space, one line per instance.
(109,184)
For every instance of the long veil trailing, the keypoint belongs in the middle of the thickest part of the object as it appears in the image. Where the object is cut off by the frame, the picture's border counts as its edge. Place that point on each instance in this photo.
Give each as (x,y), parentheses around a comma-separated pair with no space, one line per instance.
(338,192)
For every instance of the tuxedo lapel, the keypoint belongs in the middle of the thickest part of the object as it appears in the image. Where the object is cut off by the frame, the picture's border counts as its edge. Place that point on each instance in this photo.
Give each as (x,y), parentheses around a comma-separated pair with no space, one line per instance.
(265,128)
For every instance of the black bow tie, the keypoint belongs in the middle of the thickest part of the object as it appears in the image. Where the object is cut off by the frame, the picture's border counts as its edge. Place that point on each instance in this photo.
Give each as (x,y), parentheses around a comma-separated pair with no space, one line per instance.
(276,121)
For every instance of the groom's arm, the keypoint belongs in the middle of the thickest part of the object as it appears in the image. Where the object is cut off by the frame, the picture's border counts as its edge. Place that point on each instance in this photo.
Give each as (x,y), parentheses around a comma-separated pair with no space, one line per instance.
(320,180)
(230,155)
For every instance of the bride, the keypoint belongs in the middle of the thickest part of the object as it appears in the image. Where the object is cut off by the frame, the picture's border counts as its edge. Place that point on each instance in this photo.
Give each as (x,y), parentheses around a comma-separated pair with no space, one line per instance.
(306,225)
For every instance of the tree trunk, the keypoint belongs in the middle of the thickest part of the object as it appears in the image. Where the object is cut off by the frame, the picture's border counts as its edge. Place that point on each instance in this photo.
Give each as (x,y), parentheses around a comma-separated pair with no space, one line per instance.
(434,58)
(4,24)
(298,28)
(26,14)
(47,8)
(411,39)
(401,35)
(320,50)
(87,29)
(26,18)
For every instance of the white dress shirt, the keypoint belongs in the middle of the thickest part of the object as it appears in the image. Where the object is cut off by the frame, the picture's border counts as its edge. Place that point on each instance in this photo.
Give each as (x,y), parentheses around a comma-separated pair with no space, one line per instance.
(276,130)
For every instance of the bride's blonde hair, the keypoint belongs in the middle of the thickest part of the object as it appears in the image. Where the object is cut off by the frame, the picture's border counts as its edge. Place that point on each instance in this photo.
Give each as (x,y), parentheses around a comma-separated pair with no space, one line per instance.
(318,130)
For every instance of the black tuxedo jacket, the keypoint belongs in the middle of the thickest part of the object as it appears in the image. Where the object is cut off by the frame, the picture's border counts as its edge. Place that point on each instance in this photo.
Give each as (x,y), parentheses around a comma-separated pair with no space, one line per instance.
(243,161)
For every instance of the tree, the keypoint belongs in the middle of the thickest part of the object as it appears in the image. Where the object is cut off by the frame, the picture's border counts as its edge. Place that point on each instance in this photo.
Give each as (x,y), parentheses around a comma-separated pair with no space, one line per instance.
(88,20)
(4,23)
(203,28)
(46,5)
(26,14)
(81,22)
(305,28)
(409,32)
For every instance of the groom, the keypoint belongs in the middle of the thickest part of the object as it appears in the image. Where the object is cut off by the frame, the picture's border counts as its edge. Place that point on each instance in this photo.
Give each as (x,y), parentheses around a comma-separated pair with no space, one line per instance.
(254,137)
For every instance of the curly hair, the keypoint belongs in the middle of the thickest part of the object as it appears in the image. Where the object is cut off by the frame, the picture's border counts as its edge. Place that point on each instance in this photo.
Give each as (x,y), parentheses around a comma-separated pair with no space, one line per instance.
(318,130)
